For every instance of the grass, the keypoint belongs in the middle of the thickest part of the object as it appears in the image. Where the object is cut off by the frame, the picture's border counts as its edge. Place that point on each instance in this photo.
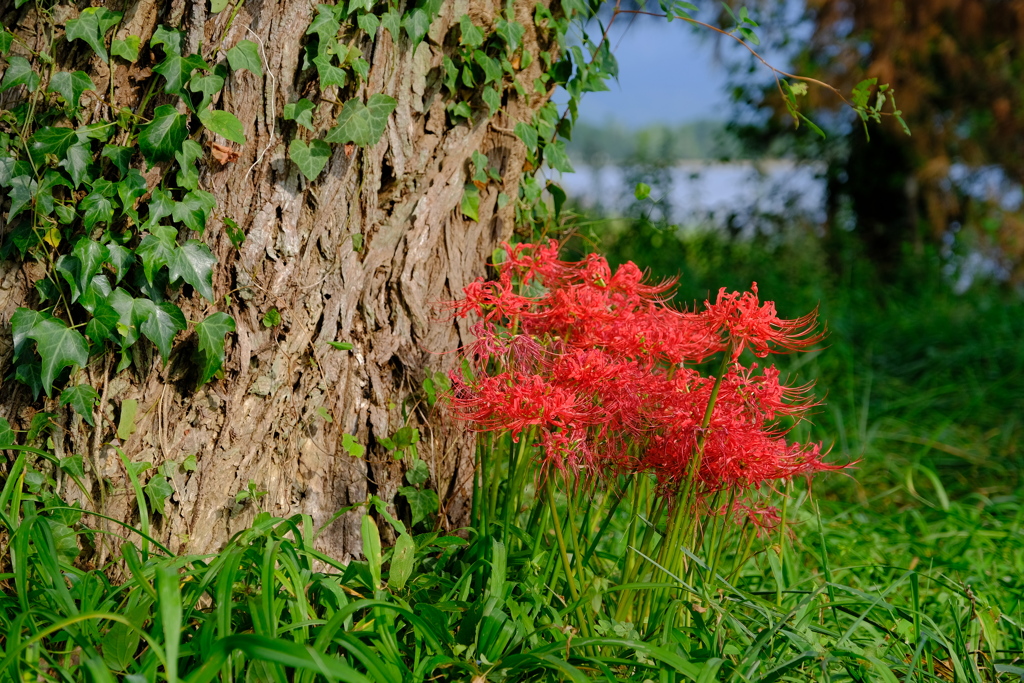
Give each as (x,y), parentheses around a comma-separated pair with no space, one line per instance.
(908,570)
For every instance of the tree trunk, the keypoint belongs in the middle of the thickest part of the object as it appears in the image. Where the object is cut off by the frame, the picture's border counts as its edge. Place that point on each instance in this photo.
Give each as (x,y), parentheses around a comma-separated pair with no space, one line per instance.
(362,255)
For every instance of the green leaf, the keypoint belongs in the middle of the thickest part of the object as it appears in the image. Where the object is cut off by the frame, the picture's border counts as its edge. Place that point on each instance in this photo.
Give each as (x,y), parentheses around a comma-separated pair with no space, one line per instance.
(555,155)
(103,323)
(368,23)
(392,22)
(6,433)
(211,334)
(190,463)
(121,258)
(23,189)
(490,65)
(328,73)
(90,26)
(472,35)
(207,86)
(130,188)
(76,162)
(126,423)
(19,72)
(91,255)
(172,39)
(418,473)
(341,346)
(402,559)
(310,159)
(301,112)
(160,323)
(193,262)
(95,209)
(246,55)
(194,209)
(6,40)
(71,85)
(471,202)
(121,157)
(325,25)
(162,137)
(157,250)
(58,348)
(461,110)
(272,318)
(188,174)
(177,70)
(416,24)
(422,502)
(217,6)
(158,490)
(223,123)
(127,49)
(492,98)
(96,292)
(363,124)
(82,399)
(642,191)
(351,446)
(51,140)
(511,32)
(127,323)
(73,464)
(371,548)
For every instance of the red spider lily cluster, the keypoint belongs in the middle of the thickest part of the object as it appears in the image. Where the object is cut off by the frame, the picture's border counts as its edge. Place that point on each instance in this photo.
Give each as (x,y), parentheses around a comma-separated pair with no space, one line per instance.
(603,374)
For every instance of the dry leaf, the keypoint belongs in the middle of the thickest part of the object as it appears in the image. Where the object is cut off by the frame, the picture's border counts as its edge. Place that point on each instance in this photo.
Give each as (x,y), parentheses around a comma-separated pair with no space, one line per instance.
(223,154)
(349,148)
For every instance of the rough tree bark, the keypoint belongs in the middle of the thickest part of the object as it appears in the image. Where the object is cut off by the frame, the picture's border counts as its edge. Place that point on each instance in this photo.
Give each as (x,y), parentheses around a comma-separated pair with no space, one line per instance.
(400,198)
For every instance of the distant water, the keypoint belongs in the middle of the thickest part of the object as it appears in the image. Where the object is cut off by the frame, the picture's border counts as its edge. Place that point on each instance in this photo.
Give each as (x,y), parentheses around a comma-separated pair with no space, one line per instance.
(709,191)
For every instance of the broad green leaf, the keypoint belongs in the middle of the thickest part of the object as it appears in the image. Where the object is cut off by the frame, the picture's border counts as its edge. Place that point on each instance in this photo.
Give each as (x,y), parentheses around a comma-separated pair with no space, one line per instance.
(418,473)
(472,35)
(58,348)
(126,422)
(217,6)
(402,559)
(416,24)
(162,137)
(121,157)
(127,49)
(160,323)
(368,23)
(90,26)
(6,40)
(325,25)
(23,322)
(73,465)
(19,72)
(351,446)
(272,318)
(71,85)
(121,258)
(194,209)
(29,374)
(371,548)
(471,202)
(130,188)
(310,159)
(95,209)
(23,190)
(6,433)
(642,191)
(188,174)
(301,112)
(177,70)
(246,55)
(160,206)
(223,123)
(103,323)
(490,65)
(492,98)
(96,292)
(76,162)
(329,73)
(127,323)
(156,250)
(190,463)
(172,40)
(462,110)
(556,157)
(363,124)
(193,262)
(211,334)
(422,502)
(158,490)
(51,140)
(511,32)
(207,86)
(392,22)
(82,398)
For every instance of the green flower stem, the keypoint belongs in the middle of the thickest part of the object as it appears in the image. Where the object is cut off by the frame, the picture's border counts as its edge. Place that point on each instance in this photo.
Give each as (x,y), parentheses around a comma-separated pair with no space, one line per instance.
(570,577)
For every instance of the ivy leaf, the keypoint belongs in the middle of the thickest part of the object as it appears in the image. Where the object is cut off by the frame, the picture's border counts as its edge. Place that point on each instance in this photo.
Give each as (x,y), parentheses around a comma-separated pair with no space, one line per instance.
(363,124)
(194,209)
(96,209)
(82,399)
(492,98)
(392,22)
(19,72)
(6,433)
(223,123)
(188,174)
(211,334)
(246,55)
(6,40)
(418,473)
(310,159)
(23,322)
(121,157)
(511,32)
(156,250)
(207,86)
(300,112)
(159,322)
(416,25)
(127,49)
(171,39)
(328,73)
(130,188)
(103,323)
(160,206)
(158,490)
(71,85)
(325,25)
(490,65)
(76,162)
(23,189)
(96,291)
(121,258)
(58,348)
(352,446)
(471,202)
(177,70)
(193,262)
(422,502)
(555,155)
(472,35)
(51,140)
(368,23)
(90,26)
(162,137)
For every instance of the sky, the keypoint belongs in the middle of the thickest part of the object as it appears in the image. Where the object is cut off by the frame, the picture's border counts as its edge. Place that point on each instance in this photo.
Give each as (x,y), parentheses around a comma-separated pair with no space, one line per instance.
(668,73)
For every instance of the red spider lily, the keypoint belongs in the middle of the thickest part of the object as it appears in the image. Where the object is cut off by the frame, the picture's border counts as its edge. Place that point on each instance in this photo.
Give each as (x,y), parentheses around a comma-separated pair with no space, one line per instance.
(601,370)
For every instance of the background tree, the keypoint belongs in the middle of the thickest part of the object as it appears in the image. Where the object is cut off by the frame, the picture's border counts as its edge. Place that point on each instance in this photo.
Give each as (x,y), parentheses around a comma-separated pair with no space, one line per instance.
(348,167)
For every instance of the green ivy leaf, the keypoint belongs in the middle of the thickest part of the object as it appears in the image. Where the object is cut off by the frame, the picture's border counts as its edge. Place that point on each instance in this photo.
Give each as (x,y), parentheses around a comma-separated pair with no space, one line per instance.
(471,202)
(363,124)
(368,23)
(90,26)
(555,155)
(96,291)
(461,110)
(193,262)
(511,32)
(6,40)
(6,433)
(352,446)
(328,73)
(130,188)
(51,140)
(121,258)
(158,490)
(311,158)
(472,35)
(392,22)
(492,98)
(103,323)
(272,318)
(300,112)
(418,473)
(194,209)
(127,49)
(341,346)
(246,55)
(325,25)
(188,174)
(162,137)
(422,502)
(95,209)
(23,189)
(71,85)
(121,157)
(19,72)
(207,86)
(177,70)
(416,24)
(211,334)
(90,256)
(490,65)
(58,348)
(77,161)
(159,322)
(82,399)
(223,123)
(172,40)
(156,250)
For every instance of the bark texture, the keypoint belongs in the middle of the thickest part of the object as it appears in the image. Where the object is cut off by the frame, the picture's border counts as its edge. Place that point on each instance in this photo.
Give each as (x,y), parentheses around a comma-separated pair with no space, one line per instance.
(397,201)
